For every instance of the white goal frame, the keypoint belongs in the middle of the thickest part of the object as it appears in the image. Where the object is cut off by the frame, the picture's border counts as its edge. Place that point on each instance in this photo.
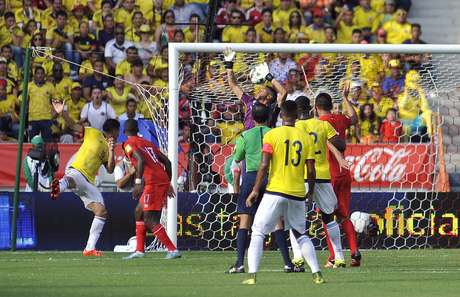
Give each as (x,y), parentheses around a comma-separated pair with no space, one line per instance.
(175,49)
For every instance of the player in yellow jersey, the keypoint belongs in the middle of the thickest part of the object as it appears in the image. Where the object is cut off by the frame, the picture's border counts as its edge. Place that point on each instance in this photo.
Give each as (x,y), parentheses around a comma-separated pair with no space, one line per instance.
(97,150)
(285,152)
(323,136)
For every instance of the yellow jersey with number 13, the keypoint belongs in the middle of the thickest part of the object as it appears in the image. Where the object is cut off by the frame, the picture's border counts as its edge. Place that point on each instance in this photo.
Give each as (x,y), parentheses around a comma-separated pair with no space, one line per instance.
(319,132)
(290,148)
(93,153)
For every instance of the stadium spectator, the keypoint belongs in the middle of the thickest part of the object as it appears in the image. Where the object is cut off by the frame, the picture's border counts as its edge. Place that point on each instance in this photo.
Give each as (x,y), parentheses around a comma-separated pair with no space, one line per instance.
(316,30)
(194,32)
(264,28)
(145,46)
(381,36)
(97,111)
(365,16)
(388,11)
(124,14)
(13,35)
(183,12)
(84,42)
(345,25)
(137,73)
(158,62)
(97,79)
(393,85)
(131,111)
(61,35)
(77,17)
(8,115)
(118,94)
(416,33)
(381,103)
(223,16)
(115,49)
(49,16)
(179,36)
(357,36)
(398,29)
(279,36)
(391,128)
(40,95)
(165,32)
(87,66)
(99,15)
(26,13)
(295,26)
(107,32)
(294,85)
(62,84)
(414,109)
(281,65)
(124,174)
(75,105)
(125,67)
(254,14)
(282,13)
(235,31)
(132,33)
(368,129)
(230,127)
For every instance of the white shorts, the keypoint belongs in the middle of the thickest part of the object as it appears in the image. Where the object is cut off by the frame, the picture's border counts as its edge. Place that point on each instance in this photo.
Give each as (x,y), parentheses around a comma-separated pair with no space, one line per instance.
(273,207)
(87,192)
(324,197)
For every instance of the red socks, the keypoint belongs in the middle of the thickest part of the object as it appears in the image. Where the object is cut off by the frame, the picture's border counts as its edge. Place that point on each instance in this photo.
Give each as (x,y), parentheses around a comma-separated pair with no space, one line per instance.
(140,236)
(161,235)
(349,231)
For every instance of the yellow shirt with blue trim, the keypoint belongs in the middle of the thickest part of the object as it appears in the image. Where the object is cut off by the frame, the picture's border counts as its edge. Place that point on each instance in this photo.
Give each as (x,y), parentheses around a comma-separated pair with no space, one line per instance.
(319,132)
(289,148)
(93,153)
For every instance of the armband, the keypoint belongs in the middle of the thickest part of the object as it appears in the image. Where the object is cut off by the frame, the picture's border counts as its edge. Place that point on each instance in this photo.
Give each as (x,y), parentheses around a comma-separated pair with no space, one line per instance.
(138,181)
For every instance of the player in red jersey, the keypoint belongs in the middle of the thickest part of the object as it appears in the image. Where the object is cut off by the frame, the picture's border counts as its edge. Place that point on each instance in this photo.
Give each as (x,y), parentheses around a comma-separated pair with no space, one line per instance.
(155,168)
(340,178)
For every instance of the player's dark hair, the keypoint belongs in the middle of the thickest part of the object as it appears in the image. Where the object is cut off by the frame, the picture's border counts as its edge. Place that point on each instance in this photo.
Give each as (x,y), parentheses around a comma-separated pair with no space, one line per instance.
(324,101)
(131,127)
(260,113)
(289,109)
(110,125)
(303,105)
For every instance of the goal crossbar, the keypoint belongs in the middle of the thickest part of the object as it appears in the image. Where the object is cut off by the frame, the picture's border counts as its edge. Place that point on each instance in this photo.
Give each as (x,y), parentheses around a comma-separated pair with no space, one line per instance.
(175,49)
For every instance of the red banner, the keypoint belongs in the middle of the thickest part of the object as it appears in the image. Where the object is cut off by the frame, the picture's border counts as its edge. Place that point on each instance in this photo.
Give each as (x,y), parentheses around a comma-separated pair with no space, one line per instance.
(405,166)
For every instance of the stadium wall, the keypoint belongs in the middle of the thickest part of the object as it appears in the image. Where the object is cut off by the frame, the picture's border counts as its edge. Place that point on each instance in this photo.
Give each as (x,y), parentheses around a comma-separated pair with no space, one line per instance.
(407,220)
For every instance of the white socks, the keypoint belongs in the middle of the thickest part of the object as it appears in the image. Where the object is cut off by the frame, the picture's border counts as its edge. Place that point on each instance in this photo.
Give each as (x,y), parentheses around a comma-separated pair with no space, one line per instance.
(255,250)
(334,234)
(308,252)
(63,185)
(94,232)
(295,246)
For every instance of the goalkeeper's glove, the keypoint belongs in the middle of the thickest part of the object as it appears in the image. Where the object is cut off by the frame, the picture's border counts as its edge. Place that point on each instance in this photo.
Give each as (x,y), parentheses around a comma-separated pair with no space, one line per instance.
(260,73)
(229,57)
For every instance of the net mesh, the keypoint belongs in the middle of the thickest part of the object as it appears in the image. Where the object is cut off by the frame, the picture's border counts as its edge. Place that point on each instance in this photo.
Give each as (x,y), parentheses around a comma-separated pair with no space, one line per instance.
(210,118)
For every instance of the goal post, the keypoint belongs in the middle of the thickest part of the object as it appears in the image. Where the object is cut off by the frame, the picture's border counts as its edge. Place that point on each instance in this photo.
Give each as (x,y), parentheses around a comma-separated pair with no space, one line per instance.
(176,49)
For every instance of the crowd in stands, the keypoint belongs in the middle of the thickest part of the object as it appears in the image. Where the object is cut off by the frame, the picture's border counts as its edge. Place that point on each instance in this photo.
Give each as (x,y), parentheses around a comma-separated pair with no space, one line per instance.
(102,49)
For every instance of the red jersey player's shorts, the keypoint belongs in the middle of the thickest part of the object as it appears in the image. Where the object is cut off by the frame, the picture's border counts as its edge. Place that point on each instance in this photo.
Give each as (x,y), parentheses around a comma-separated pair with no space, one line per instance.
(342,189)
(154,197)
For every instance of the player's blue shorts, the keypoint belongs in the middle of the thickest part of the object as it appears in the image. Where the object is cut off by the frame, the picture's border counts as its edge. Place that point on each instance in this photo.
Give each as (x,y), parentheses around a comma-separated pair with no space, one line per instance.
(249,179)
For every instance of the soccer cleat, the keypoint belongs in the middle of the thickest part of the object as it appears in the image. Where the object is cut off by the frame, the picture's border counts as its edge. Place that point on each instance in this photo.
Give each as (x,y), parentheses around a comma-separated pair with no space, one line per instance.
(294,269)
(329,264)
(173,255)
(92,253)
(339,263)
(54,189)
(318,278)
(299,262)
(134,255)
(233,269)
(356,259)
(251,280)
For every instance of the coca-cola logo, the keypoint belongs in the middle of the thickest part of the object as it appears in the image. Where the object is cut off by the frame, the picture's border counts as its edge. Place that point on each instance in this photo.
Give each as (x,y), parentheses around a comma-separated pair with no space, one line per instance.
(380,164)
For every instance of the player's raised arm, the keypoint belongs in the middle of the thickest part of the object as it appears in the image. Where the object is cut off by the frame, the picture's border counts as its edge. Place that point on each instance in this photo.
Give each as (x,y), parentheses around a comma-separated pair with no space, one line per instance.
(261,173)
(349,110)
(229,57)
(111,160)
(281,92)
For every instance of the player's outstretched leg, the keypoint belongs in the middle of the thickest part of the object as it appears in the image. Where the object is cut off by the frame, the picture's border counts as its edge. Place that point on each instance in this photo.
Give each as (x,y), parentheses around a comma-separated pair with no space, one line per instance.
(309,254)
(333,230)
(100,214)
(152,222)
(297,260)
(140,235)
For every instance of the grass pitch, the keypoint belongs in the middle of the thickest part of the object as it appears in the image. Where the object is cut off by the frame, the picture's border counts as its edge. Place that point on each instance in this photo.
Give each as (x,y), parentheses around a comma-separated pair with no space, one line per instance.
(383,273)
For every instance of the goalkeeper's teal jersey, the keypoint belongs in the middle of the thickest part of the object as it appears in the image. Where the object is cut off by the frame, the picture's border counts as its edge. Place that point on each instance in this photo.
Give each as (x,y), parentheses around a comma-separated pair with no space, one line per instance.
(249,147)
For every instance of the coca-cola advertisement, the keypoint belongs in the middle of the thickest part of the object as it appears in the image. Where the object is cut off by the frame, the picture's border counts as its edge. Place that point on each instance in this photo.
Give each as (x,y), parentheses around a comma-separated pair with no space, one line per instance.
(403,166)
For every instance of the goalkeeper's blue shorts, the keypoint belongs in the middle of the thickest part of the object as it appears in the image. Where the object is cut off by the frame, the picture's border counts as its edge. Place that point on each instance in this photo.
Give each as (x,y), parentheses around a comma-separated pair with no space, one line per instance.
(249,179)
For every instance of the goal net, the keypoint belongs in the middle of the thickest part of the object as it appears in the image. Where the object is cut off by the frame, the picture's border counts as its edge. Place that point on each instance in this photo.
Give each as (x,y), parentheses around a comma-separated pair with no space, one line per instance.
(395,180)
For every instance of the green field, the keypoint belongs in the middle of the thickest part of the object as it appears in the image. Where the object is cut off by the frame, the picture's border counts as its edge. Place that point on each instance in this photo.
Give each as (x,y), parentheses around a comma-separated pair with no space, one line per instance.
(383,273)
